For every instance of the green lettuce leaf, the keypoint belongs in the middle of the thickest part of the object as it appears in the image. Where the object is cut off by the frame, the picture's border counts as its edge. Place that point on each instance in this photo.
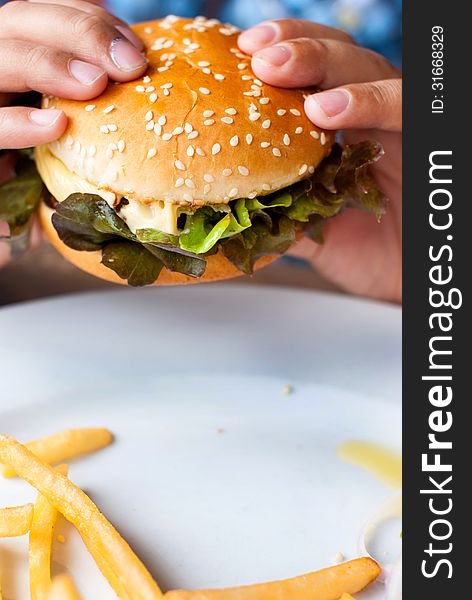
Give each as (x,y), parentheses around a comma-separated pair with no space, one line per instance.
(20,197)
(244,230)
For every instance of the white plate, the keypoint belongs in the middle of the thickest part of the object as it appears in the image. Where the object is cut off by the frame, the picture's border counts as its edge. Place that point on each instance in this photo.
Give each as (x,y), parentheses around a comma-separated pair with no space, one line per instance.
(167,370)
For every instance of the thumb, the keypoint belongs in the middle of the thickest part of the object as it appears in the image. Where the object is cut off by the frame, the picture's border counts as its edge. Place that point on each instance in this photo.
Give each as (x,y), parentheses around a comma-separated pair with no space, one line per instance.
(22,127)
(373,105)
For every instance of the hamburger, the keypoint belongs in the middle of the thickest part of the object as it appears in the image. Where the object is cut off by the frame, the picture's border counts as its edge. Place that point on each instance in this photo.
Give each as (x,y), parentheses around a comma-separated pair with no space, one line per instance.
(196,172)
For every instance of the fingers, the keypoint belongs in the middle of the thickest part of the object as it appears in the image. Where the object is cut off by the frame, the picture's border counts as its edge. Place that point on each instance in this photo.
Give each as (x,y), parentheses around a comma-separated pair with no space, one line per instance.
(323,62)
(88,7)
(374,105)
(27,67)
(22,127)
(271,32)
(85,34)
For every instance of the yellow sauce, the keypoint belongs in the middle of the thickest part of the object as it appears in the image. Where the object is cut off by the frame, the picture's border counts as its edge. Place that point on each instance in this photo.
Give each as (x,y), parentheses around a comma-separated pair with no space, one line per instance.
(384,464)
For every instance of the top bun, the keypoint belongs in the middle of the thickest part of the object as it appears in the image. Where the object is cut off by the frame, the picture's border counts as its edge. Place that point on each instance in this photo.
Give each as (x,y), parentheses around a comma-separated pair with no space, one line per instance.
(199,128)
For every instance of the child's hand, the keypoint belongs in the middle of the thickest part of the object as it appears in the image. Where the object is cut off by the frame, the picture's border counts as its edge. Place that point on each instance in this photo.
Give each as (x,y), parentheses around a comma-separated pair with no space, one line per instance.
(364,99)
(67,48)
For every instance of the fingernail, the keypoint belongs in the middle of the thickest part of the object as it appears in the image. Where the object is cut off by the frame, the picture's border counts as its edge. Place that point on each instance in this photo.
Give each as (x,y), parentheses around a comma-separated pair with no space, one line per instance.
(274,56)
(261,34)
(332,103)
(131,36)
(125,56)
(85,72)
(45,118)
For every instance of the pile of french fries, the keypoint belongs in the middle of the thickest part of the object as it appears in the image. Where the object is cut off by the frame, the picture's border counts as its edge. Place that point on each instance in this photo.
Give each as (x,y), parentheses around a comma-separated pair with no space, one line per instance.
(42,464)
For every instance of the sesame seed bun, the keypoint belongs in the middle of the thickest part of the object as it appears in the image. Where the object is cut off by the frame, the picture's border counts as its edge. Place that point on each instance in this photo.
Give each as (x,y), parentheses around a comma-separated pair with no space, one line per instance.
(199,129)
(218,267)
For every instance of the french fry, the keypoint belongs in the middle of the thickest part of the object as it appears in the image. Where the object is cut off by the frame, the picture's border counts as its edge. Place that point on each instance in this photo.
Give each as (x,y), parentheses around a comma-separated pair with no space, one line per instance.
(15,521)
(328,584)
(125,572)
(65,445)
(40,544)
(62,588)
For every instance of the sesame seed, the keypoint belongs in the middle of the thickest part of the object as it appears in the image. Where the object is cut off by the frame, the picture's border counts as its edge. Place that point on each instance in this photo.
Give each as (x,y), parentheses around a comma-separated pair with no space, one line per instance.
(188,198)
(208,178)
(146,79)
(258,82)
(162,120)
(148,30)
(152,98)
(254,116)
(151,153)
(281,112)
(299,130)
(192,135)
(104,129)
(162,69)
(252,195)
(227,120)
(230,111)
(200,152)
(178,130)
(287,139)
(90,107)
(166,92)
(158,129)
(314,134)
(188,128)
(311,169)
(149,115)
(208,121)
(208,113)
(303,169)
(234,141)
(233,192)
(203,63)
(215,149)
(189,183)
(180,181)
(243,170)
(92,150)
(276,152)
(242,66)
(249,139)
(218,76)
(180,165)
(266,124)
(140,88)
(323,138)
(112,127)
(265,144)
(166,86)
(190,151)
(166,136)
(295,112)
(266,187)
(150,89)
(246,77)
(226,172)
(207,188)
(149,125)
(264,100)
(121,146)
(204,90)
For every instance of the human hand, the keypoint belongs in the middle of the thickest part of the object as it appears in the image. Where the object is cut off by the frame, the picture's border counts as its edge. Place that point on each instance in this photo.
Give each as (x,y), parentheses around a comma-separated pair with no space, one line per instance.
(361,95)
(66,48)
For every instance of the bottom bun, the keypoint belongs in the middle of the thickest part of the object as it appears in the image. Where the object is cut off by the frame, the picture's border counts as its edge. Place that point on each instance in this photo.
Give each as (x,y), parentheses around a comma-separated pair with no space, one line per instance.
(218,266)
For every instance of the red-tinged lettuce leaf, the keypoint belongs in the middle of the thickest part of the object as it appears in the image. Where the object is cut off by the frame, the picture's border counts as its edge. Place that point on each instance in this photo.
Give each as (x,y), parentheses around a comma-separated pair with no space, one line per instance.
(132,262)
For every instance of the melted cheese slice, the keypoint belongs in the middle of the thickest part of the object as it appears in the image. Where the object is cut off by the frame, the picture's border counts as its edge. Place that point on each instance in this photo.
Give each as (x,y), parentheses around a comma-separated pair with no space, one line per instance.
(62,182)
